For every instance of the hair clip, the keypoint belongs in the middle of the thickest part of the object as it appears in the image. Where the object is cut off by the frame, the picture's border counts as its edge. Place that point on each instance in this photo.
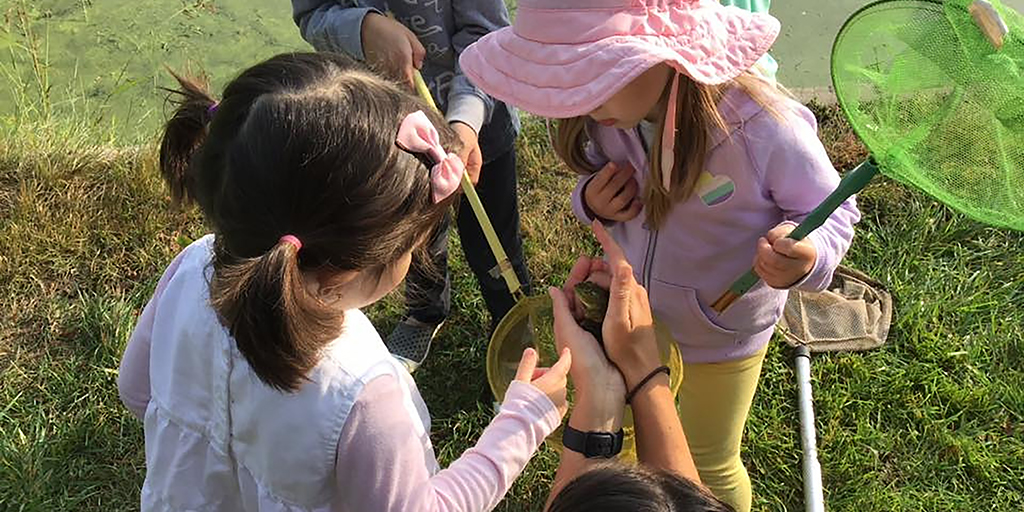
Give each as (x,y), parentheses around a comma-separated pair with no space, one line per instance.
(416,134)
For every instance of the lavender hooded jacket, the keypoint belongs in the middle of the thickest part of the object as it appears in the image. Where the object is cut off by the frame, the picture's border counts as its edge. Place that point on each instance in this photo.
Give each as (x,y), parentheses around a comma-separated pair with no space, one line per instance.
(762,172)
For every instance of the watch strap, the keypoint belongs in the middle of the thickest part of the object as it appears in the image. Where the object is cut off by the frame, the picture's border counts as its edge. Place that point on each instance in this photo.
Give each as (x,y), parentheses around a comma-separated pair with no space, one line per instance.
(592,444)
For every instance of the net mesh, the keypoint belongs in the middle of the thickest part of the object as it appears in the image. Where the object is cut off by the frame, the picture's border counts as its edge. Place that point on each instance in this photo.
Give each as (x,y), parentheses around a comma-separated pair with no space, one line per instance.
(937,104)
(853,313)
(530,323)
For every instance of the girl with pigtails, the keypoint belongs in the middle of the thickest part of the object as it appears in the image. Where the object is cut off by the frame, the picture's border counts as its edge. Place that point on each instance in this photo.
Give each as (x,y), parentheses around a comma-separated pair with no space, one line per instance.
(260,383)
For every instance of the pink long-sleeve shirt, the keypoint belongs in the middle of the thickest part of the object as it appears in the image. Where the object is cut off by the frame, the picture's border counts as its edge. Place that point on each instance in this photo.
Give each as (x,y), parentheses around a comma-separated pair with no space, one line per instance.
(382,459)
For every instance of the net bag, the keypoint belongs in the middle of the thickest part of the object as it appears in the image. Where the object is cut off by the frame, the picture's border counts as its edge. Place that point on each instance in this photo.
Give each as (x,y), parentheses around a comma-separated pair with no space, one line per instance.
(939,100)
(854,313)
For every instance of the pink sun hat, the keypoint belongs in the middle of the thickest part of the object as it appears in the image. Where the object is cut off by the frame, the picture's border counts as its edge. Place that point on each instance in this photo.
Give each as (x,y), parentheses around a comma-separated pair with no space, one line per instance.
(565,58)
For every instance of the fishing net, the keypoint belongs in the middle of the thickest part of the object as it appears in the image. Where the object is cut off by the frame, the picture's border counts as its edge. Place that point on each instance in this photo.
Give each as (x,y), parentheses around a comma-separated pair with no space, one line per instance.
(853,313)
(939,104)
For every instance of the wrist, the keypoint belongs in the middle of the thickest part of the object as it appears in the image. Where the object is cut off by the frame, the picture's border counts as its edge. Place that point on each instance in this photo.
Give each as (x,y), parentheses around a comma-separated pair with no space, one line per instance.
(370,19)
(367,29)
(599,412)
(641,368)
(456,124)
(660,383)
(591,214)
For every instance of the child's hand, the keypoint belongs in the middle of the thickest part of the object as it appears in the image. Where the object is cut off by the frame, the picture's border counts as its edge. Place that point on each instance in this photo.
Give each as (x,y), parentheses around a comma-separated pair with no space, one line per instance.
(391,48)
(470,153)
(550,381)
(592,373)
(782,262)
(612,193)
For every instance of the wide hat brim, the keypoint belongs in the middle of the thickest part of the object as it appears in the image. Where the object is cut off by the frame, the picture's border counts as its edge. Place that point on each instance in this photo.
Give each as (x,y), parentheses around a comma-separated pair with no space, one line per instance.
(562,80)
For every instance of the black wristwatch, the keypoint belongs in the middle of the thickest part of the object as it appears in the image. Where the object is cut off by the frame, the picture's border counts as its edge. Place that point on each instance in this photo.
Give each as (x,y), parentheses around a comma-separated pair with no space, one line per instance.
(592,444)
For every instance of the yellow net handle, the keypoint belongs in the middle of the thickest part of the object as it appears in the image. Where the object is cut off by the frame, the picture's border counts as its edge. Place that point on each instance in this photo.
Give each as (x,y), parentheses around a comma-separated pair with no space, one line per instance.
(504,267)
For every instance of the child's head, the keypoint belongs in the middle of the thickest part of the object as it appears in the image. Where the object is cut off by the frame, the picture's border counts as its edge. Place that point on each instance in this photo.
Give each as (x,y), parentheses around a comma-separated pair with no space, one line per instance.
(315,207)
(622,488)
(616,61)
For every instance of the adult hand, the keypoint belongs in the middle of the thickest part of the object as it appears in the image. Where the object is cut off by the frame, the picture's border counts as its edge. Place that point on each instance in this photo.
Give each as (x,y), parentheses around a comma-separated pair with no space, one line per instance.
(612,193)
(391,48)
(600,390)
(628,328)
(470,153)
(550,381)
(781,262)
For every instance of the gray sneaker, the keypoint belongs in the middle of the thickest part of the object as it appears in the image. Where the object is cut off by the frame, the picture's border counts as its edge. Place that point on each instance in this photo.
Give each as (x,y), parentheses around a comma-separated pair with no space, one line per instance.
(410,342)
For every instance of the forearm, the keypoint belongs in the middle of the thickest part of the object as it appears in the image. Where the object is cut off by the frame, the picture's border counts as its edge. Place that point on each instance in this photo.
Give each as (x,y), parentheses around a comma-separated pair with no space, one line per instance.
(660,441)
(473,110)
(602,413)
(382,465)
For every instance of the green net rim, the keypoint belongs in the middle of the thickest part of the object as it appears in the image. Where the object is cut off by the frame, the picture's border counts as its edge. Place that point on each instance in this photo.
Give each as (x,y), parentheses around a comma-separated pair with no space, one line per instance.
(833,60)
(997,218)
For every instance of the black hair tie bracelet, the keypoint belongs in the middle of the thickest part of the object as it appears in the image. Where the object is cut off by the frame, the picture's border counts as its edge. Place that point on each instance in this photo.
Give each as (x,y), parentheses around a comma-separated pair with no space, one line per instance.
(636,389)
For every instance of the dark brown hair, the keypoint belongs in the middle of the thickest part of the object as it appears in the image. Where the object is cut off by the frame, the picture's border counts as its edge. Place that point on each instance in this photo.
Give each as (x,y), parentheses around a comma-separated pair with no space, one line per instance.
(301,144)
(622,488)
(697,116)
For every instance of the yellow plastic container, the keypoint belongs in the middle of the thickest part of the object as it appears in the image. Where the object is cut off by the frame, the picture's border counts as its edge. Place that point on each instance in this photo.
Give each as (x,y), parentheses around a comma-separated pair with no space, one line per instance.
(531,324)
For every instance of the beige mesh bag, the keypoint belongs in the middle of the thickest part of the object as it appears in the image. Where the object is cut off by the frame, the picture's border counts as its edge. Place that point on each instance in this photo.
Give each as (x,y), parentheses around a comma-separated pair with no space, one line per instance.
(853,313)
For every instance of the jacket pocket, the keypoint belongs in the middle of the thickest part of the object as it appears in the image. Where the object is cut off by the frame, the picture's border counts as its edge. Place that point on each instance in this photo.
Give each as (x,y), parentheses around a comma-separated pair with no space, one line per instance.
(678,308)
(694,324)
(756,311)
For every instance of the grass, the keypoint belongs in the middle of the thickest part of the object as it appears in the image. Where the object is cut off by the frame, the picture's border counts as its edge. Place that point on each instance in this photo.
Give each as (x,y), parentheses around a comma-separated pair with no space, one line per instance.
(934,420)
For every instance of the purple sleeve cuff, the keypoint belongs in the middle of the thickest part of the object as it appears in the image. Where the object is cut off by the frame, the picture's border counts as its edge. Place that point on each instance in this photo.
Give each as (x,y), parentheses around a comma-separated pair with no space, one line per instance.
(821,275)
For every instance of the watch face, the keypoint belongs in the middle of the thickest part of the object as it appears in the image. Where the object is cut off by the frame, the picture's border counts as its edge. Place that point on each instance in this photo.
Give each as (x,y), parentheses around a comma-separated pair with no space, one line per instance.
(600,444)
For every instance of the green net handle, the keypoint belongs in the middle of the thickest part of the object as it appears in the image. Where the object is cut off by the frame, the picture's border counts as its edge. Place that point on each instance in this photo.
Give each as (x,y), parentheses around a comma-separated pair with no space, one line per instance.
(853,182)
(504,267)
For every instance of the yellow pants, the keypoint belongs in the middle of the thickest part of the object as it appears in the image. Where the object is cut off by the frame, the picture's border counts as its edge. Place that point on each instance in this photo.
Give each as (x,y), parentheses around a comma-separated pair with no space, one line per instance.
(713,404)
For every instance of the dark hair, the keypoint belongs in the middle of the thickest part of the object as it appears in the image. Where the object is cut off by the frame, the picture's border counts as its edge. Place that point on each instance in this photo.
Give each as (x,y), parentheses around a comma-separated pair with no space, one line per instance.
(622,488)
(300,144)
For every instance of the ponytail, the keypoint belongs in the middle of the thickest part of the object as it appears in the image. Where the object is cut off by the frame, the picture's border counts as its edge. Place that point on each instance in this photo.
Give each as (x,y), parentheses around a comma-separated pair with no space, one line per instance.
(278,325)
(184,133)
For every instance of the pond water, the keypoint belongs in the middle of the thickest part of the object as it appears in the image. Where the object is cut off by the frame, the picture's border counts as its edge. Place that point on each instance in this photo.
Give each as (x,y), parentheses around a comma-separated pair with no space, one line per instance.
(107,56)
(110,55)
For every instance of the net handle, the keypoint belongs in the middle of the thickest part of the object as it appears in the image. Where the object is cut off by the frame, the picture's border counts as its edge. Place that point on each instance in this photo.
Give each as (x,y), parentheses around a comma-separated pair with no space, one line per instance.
(504,266)
(989,22)
(853,182)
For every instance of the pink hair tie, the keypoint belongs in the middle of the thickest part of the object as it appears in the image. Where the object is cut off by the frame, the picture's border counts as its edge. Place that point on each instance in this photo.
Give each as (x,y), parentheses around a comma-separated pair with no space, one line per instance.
(417,135)
(291,239)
